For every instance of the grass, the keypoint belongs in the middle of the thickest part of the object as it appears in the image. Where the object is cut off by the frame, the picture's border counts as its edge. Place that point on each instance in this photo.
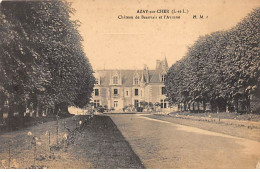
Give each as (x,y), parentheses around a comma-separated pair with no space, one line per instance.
(227,123)
(96,143)
(222,115)
(15,123)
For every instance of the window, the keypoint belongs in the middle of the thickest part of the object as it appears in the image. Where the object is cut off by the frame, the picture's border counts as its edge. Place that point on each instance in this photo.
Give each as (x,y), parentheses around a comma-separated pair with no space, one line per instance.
(163,78)
(115,91)
(163,91)
(96,81)
(126,93)
(136,92)
(115,103)
(96,92)
(115,80)
(163,103)
(136,103)
(136,81)
(96,103)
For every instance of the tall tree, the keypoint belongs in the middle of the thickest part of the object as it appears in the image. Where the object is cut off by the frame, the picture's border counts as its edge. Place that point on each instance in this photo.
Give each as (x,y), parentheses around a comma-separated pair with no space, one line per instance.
(57,72)
(221,68)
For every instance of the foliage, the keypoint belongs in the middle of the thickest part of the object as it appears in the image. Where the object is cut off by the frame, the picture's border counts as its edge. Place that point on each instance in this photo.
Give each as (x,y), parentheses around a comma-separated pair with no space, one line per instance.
(42,59)
(222,68)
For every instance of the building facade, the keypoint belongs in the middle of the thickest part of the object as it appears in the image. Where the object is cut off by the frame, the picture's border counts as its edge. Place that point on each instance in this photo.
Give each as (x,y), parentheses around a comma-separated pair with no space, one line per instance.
(117,89)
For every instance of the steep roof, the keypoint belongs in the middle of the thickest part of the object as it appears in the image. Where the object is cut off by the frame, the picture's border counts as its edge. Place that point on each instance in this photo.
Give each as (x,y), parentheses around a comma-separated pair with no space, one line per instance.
(155,77)
(126,75)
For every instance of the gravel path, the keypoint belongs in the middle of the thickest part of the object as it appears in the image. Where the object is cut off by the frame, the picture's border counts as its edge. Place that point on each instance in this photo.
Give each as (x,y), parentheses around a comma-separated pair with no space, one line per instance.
(244,129)
(163,144)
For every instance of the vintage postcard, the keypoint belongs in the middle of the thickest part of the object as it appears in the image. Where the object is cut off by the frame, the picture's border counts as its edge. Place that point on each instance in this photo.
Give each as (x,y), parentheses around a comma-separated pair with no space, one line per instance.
(138,84)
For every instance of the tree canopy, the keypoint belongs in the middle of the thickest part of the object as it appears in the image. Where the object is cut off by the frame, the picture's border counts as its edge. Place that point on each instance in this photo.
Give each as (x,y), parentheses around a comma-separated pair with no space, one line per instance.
(221,68)
(41,56)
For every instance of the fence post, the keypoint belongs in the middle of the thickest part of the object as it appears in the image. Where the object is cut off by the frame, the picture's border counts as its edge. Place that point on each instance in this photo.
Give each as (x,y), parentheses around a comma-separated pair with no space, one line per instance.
(57,132)
(9,155)
(34,150)
(34,162)
(57,138)
(49,140)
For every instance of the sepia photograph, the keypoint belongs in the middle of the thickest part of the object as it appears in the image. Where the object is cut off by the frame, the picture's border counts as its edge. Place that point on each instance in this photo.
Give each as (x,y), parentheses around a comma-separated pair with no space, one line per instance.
(137,84)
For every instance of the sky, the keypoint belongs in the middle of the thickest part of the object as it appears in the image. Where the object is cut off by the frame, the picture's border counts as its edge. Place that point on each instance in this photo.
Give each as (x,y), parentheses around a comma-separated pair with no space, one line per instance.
(113,43)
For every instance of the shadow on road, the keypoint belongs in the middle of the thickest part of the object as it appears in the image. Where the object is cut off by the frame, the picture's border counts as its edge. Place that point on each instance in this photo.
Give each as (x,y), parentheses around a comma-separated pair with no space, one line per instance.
(105,146)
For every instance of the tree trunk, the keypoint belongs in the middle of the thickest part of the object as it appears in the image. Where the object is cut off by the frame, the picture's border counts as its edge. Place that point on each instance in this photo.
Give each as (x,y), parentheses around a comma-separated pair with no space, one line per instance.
(204,106)
(223,108)
(37,111)
(198,106)
(50,111)
(248,104)
(40,110)
(34,110)
(47,111)
(1,113)
(10,109)
(213,106)
(21,110)
(236,105)
(61,109)
(56,110)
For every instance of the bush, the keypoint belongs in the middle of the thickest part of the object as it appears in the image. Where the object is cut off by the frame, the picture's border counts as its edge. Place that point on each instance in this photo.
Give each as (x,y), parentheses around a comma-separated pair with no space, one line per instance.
(139,109)
(101,109)
(15,122)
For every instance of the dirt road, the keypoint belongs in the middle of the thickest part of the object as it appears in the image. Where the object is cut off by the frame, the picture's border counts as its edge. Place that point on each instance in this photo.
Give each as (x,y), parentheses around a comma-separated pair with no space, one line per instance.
(163,144)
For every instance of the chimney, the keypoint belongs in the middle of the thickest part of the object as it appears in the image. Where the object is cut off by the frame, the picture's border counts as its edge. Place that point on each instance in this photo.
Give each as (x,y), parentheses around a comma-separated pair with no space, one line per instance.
(145,67)
(158,64)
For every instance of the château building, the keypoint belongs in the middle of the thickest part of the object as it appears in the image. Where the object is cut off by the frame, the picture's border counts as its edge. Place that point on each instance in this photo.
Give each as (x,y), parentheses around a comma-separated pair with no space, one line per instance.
(117,89)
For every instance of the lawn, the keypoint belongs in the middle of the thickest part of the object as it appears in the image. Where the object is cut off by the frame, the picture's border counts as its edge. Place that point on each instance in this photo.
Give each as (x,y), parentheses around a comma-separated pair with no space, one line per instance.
(83,142)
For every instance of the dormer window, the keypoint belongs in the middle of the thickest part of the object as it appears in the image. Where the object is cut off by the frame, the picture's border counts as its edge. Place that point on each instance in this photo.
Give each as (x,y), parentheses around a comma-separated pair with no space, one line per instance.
(115,80)
(163,78)
(136,81)
(97,81)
